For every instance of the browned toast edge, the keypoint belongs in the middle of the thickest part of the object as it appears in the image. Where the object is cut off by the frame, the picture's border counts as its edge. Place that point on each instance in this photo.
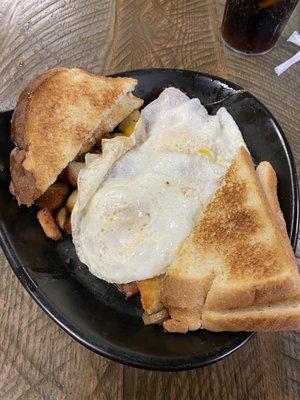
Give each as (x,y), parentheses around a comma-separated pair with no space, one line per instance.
(270,318)
(26,190)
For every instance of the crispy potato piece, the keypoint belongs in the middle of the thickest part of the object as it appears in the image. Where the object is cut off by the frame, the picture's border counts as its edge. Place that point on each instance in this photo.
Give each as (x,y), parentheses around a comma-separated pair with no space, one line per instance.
(71,201)
(72,172)
(150,290)
(54,196)
(67,225)
(128,124)
(128,289)
(61,217)
(48,224)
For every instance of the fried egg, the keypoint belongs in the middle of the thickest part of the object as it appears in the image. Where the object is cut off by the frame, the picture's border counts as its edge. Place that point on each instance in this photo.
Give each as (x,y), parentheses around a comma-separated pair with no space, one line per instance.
(140,198)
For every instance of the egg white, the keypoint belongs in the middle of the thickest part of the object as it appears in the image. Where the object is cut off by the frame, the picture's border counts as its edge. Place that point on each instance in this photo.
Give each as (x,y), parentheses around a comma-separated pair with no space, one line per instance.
(140,198)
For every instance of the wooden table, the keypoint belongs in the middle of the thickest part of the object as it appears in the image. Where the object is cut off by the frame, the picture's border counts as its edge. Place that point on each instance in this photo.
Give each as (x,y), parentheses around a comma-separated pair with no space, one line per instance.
(37,359)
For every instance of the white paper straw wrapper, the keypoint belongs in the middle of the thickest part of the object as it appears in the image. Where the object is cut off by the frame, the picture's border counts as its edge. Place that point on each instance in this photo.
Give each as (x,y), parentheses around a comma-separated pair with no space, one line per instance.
(295,38)
(287,64)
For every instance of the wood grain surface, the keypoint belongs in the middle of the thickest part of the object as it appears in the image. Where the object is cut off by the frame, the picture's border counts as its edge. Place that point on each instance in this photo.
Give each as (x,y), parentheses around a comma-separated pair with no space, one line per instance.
(37,359)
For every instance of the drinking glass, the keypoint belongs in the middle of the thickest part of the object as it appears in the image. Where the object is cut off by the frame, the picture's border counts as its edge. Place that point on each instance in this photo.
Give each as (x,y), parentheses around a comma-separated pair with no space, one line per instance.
(254,26)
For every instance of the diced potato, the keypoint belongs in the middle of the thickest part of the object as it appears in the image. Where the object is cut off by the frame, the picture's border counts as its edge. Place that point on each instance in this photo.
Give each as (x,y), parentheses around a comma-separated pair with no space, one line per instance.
(150,290)
(128,124)
(54,196)
(61,217)
(72,172)
(129,289)
(48,224)
(71,201)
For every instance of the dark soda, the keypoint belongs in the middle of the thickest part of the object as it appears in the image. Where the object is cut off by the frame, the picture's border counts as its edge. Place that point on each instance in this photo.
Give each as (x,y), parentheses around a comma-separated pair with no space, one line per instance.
(254,26)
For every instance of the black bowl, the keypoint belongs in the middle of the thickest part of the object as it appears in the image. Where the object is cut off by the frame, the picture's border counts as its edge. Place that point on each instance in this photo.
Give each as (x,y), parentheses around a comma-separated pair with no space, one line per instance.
(94,312)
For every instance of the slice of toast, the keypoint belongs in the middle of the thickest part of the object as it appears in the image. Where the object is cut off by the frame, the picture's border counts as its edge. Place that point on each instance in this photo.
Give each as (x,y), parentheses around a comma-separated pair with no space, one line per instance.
(237,257)
(150,289)
(60,114)
(270,317)
(266,317)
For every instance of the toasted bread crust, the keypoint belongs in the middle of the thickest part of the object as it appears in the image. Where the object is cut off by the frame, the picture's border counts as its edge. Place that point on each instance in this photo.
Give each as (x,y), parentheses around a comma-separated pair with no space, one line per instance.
(59,114)
(23,182)
(268,180)
(254,294)
(183,320)
(193,291)
(270,318)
